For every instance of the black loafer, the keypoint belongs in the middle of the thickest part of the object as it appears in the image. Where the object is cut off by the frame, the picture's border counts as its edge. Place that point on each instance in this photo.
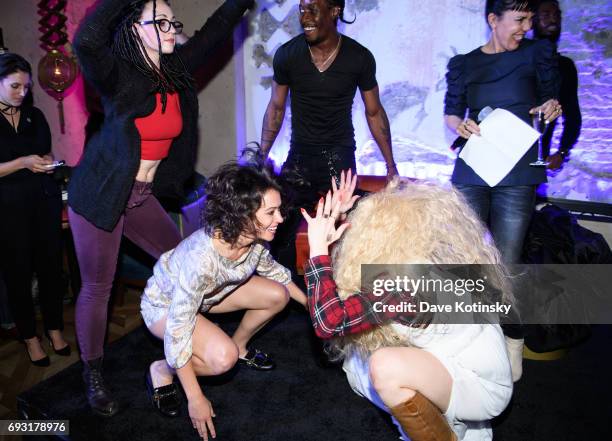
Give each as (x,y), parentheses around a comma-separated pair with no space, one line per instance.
(258,360)
(165,398)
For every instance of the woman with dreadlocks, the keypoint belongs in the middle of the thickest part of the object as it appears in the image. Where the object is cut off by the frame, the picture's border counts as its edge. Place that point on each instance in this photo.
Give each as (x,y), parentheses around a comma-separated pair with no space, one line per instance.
(148,138)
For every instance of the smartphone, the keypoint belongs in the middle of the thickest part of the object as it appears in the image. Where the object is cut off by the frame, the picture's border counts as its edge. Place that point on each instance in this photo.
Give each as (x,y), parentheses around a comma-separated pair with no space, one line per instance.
(56,164)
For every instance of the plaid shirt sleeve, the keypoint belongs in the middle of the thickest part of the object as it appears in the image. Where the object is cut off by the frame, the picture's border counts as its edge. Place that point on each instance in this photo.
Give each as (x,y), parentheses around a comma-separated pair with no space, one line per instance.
(334,317)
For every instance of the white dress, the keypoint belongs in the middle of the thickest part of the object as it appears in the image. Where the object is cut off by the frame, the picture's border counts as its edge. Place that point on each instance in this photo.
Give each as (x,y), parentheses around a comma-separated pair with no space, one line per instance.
(476,358)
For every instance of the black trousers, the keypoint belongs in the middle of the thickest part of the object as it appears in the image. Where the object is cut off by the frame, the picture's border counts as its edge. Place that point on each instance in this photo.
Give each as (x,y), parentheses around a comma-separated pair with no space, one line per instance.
(305,177)
(30,242)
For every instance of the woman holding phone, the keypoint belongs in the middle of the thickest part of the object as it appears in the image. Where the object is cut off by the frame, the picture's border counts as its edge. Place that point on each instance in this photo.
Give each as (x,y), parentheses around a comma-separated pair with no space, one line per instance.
(31,204)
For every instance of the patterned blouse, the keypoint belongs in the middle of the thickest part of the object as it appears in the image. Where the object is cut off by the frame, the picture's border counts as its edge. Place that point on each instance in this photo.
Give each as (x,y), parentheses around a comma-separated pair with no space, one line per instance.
(194,277)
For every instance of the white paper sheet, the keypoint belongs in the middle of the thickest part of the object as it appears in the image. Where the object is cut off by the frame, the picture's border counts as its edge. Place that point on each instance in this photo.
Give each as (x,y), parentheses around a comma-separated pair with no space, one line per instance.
(504,139)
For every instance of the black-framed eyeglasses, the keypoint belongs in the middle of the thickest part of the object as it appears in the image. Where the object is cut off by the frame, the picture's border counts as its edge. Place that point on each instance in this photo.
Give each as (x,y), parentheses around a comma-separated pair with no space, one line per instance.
(164,24)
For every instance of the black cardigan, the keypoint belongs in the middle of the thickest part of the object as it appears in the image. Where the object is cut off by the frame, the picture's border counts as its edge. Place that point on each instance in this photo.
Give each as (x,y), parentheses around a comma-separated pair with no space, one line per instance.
(101,183)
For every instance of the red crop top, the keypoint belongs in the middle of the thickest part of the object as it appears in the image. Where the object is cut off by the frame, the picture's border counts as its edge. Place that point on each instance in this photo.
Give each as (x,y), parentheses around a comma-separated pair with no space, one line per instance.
(158,129)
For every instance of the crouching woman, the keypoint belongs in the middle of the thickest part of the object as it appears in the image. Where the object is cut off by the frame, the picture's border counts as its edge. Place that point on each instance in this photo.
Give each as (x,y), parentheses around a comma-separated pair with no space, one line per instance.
(440,382)
(213,271)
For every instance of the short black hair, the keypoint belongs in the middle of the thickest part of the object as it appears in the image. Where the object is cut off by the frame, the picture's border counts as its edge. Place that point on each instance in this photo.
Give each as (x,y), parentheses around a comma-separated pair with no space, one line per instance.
(541,2)
(498,7)
(11,63)
(536,27)
(234,193)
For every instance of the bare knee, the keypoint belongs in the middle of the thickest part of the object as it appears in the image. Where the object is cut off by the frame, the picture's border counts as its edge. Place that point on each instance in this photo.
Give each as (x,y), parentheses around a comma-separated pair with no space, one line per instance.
(278,296)
(381,375)
(222,359)
(383,367)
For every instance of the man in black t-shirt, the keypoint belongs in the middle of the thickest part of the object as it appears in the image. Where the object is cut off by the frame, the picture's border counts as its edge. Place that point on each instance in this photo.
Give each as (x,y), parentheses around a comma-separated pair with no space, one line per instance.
(547,24)
(322,70)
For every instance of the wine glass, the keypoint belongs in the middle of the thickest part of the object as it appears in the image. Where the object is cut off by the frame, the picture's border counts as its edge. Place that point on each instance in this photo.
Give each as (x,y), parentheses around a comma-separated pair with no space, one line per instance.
(540,125)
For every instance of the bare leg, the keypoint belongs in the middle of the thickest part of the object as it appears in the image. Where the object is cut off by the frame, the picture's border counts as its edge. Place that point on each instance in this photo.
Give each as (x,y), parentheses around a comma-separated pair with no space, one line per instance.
(35,349)
(398,373)
(262,298)
(213,352)
(57,338)
(416,387)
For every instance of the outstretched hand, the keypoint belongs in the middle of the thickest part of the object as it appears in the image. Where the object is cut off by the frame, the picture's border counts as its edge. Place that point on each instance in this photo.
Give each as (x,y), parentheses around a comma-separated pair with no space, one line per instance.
(322,231)
(343,194)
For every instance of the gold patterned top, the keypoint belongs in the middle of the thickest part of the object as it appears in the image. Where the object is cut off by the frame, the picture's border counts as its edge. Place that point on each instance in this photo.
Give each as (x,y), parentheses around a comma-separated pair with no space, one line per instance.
(192,278)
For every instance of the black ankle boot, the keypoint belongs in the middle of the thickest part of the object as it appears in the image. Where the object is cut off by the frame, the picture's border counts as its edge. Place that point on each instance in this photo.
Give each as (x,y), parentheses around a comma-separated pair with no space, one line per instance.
(98,395)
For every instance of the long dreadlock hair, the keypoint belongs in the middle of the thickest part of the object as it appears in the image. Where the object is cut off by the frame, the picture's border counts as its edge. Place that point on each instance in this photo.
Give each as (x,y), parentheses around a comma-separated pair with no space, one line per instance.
(170,76)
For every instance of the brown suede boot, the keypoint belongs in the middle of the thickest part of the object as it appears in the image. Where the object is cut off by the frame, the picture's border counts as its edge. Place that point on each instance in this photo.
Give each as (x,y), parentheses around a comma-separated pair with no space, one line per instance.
(422,420)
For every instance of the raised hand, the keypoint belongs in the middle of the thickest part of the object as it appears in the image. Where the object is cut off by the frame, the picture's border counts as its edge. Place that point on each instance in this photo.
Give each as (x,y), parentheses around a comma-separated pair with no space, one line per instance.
(343,193)
(322,231)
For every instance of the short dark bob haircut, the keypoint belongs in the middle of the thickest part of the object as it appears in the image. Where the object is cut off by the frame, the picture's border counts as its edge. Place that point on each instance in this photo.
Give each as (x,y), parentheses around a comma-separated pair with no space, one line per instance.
(234,193)
(498,7)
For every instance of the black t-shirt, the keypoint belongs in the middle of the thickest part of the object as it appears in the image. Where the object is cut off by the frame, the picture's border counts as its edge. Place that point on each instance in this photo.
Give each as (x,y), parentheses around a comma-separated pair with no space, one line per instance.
(321,102)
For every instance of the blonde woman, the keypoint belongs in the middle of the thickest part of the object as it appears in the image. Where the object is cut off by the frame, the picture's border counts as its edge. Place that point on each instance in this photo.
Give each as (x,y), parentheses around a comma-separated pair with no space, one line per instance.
(438,381)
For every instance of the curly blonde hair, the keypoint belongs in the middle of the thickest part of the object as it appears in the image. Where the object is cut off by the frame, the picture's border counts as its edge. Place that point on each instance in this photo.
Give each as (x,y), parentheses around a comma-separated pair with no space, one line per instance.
(410,223)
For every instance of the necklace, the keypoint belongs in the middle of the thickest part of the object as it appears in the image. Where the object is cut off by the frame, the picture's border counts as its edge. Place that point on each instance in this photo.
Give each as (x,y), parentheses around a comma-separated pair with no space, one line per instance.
(10,111)
(324,64)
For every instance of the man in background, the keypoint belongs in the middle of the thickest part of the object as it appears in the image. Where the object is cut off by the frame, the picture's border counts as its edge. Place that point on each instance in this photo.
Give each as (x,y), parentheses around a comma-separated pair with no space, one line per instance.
(321,69)
(547,24)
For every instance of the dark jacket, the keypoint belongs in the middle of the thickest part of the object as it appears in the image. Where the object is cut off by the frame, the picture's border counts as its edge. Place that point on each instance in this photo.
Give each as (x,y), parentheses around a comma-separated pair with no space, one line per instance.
(33,137)
(102,181)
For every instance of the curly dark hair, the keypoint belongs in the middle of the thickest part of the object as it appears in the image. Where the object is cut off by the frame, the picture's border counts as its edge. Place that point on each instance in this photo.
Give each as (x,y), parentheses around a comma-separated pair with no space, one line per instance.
(234,193)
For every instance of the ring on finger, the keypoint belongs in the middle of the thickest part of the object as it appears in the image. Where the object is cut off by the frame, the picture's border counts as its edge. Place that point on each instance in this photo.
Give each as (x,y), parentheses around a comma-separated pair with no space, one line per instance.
(325,215)
(329,237)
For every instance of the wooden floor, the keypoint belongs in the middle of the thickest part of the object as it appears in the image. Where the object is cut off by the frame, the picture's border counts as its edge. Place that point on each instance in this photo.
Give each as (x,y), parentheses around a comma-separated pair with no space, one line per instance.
(17,374)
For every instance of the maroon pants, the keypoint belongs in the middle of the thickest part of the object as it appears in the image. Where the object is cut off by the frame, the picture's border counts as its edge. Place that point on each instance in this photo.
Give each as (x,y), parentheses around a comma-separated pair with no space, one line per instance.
(145,223)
